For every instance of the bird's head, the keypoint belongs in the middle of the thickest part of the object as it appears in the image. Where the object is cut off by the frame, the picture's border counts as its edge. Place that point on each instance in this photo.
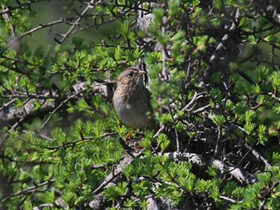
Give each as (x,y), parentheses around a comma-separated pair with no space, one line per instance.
(131,77)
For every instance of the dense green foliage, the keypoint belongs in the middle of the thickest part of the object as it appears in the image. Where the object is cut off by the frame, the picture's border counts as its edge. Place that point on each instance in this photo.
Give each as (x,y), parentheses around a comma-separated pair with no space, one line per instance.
(214,75)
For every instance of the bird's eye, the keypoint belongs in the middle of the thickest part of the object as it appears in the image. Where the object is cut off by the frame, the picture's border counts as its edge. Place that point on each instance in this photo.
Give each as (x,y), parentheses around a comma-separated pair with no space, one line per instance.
(130,74)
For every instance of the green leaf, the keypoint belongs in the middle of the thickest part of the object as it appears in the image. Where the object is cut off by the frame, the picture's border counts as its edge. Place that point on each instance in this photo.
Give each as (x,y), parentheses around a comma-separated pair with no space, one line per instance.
(217,119)
(163,141)
(218,4)
(125,28)
(113,192)
(275,80)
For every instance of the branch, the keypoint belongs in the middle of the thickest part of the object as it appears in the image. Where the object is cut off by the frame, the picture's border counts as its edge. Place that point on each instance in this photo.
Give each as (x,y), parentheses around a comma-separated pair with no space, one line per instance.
(6,136)
(13,114)
(9,113)
(258,156)
(253,151)
(117,17)
(28,190)
(59,106)
(270,8)
(41,26)
(239,174)
(110,180)
(9,9)
(76,22)
(222,45)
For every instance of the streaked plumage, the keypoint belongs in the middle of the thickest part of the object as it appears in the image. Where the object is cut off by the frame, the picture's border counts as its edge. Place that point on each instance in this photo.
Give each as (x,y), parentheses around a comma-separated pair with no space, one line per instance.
(132,100)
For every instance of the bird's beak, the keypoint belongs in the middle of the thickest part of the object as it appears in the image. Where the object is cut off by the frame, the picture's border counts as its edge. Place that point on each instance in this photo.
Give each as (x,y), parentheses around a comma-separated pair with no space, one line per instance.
(140,73)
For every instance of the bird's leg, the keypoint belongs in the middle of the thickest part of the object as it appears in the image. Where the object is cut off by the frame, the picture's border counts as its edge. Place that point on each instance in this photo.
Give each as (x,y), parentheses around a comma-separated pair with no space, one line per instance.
(129,135)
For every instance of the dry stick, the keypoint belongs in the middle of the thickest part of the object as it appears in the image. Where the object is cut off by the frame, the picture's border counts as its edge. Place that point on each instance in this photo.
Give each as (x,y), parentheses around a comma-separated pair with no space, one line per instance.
(97,25)
(43,206)
(238,173)
(188,107)
(116,172)
(201,109)
(159,131)
(15,61)
(126,147)
(108,179)
(164,71)
(74,142)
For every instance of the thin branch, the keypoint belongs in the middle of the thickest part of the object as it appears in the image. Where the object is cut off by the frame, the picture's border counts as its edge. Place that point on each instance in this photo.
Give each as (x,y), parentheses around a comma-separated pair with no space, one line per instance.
(228,199)
(28,190)
(84,139)
(6,136)
(59,106)
(89,7)
(41,26)
(258,156)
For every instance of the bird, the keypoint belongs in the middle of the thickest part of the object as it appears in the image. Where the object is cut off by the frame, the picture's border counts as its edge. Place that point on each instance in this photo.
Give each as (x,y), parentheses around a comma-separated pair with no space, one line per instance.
(132,100)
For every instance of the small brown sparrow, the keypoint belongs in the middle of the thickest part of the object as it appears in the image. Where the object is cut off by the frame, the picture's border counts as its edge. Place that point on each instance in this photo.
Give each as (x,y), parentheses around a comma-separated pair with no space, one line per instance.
(132,100)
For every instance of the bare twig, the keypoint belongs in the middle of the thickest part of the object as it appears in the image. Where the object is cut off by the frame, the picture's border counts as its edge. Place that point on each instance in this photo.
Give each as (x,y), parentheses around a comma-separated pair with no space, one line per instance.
(258,156)
(28,190)
(89,7)
(30,32)
(186,108)
(59,106)
(228,199)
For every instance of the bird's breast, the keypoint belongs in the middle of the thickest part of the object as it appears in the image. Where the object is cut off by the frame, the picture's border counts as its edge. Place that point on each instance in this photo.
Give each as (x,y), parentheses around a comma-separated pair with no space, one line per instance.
(130,112)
